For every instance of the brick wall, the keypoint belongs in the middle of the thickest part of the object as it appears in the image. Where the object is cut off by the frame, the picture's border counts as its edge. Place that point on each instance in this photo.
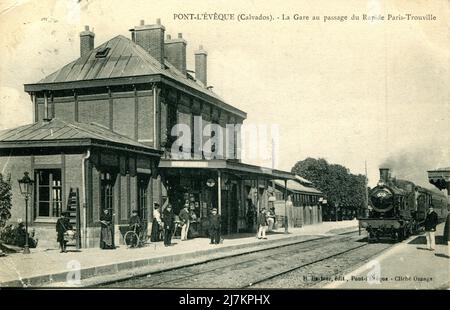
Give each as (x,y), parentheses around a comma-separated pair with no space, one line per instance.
(96,111)
(124,116)
(73,175)
(65,111)
(145,119)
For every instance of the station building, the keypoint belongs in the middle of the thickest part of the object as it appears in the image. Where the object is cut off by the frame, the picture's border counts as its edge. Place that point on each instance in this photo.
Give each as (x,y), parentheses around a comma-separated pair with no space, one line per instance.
(306,201)
(441,179)
(103,130)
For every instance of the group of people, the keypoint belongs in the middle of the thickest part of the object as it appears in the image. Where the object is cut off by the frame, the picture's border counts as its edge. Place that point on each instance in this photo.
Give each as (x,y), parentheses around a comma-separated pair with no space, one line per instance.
(165,223)
(164,226)
(265,220)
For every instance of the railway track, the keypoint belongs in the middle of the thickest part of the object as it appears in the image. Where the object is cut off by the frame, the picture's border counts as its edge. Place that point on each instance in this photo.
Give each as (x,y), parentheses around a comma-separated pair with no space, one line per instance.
(325,270)
(251,269)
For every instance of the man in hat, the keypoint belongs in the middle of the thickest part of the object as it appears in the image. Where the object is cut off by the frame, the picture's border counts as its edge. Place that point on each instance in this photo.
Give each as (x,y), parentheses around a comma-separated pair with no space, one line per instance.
(262,224)
(185,221)
(62,226)
(135,222)
(168,220)
(214,227)
(431,220)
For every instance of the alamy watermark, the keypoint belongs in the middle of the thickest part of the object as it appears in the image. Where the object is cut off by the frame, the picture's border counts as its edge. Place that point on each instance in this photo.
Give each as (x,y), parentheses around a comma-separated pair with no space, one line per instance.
(204,140)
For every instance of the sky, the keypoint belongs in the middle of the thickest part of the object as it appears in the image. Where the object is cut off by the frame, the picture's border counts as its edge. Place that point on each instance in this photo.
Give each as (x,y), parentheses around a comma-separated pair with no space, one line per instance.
(352,92)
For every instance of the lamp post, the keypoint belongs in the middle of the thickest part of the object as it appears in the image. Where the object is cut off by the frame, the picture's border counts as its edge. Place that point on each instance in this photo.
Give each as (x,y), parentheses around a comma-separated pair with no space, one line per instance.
(26,189)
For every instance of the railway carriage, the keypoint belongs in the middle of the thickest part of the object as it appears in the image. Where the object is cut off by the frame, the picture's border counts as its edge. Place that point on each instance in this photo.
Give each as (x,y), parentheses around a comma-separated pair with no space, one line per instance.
(398,208)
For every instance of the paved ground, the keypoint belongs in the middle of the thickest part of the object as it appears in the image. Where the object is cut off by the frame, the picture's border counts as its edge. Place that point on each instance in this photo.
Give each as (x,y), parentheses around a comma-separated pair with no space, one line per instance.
(407,265)
(40,267)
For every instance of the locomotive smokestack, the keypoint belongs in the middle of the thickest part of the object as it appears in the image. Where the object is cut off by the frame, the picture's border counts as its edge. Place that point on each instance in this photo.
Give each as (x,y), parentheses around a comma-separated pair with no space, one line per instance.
(384,174)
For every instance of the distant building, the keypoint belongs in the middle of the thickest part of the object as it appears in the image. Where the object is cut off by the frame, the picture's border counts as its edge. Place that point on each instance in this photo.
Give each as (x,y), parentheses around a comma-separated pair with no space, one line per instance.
(306,201)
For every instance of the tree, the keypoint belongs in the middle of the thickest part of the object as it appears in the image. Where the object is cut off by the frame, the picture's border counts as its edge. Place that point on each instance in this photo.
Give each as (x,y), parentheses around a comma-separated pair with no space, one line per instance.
(5,200)
(344,190)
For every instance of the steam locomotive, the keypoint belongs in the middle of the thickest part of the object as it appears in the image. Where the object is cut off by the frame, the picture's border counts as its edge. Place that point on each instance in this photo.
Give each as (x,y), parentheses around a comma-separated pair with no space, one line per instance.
(397,208)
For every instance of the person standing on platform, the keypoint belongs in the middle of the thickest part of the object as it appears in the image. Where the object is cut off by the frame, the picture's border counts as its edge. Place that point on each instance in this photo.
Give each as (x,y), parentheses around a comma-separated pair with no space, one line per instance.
(168,220)
(214,227)
(250,215)
(135,223)
(62,226)
(431,221)
(156,224)
(184,218)
(106,237)
(193,222)
(271,218)
(446,236)
(262,224)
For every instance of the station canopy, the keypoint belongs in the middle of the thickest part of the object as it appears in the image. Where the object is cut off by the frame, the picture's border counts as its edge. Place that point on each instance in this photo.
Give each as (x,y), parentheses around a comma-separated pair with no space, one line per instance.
(440,177)
(236,168)
(295,186)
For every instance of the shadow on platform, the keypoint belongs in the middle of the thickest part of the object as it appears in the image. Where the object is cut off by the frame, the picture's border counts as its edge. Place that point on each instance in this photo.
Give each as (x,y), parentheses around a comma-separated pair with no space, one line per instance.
(441,255)
(423,240)
(379,241)
(251,234)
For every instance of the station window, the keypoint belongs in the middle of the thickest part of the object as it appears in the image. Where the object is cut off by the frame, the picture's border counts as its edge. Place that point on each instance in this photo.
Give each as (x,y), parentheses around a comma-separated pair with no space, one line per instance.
(143,181)
(48,192)
(107,191)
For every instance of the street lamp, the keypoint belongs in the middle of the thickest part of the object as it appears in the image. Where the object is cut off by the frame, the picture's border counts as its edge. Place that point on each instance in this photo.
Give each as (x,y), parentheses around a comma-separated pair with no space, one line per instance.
(26,189)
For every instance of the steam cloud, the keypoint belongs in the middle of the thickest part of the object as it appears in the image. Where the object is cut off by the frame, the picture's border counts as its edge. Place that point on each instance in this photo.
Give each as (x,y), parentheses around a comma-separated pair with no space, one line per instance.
(413,165)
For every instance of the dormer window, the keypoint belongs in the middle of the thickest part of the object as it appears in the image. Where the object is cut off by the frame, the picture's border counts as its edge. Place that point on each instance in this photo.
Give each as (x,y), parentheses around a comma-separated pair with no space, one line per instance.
(102,53)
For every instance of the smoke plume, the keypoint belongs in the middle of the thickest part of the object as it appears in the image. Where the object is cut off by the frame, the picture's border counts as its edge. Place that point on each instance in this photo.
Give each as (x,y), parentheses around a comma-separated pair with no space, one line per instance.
(412,165)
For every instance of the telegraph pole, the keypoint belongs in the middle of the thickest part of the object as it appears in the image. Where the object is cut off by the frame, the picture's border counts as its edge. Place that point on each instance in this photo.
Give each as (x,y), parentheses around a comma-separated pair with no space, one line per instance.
(366,198)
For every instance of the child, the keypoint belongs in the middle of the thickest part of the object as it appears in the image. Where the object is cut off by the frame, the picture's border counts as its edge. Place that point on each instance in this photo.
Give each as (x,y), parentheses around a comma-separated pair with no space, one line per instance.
(214,227)
(62,226)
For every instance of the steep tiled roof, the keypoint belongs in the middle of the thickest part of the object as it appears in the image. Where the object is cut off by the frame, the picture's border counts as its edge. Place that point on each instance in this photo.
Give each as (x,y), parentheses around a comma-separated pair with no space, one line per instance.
(124,59)
(57,130)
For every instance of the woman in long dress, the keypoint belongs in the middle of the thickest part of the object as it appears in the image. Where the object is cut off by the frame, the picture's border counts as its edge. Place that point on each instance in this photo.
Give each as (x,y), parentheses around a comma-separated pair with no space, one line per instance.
(156,224)
(106,238)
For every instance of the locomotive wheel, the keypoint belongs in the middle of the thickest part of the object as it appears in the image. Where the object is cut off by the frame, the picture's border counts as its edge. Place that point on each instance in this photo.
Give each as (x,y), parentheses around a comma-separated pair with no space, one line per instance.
(411,230)
(401,235)
(396,236)
(373,237)
(370,237)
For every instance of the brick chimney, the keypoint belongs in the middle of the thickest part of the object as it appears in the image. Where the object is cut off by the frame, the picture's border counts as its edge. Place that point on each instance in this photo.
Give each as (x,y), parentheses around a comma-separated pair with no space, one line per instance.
(175,52)
(200,65)
(86,41)
(151,39)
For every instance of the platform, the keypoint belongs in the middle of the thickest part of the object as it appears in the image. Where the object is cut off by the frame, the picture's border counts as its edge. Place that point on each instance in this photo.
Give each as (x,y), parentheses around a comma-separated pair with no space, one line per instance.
(407,265)
(45,268)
